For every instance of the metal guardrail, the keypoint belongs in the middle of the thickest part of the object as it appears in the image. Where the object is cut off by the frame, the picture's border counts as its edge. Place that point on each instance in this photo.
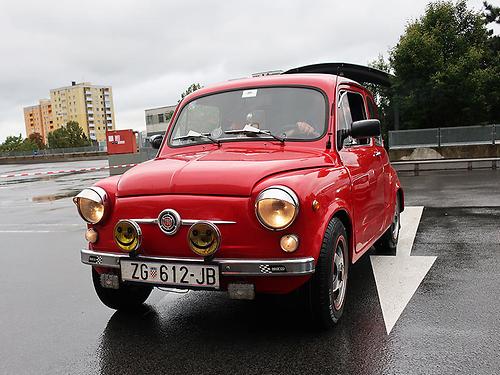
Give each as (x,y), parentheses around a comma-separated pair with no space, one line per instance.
(437,137)
(416,166)
(54,151)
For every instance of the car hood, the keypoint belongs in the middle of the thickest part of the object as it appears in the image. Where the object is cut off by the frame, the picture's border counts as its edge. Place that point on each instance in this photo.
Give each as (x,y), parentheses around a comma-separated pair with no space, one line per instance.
(223,171)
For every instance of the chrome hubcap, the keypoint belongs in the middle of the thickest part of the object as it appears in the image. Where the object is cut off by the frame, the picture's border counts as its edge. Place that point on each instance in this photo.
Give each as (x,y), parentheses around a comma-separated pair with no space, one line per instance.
(395,224)
(339,276)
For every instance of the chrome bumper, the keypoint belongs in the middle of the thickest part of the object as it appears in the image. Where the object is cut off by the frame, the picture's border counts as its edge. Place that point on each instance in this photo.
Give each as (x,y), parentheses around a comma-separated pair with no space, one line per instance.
(228,267)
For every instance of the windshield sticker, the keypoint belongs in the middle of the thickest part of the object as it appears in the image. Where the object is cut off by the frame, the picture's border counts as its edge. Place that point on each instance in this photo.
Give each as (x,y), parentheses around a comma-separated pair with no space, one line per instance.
(249,94)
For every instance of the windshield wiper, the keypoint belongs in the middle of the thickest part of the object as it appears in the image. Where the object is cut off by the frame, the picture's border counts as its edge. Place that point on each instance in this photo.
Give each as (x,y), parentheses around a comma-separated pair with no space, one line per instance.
(194,135)
(252,130)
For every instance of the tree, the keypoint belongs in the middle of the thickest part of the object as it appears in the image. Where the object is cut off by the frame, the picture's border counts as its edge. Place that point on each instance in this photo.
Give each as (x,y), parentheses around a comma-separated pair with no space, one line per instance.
(37,139)
(492,13)
(76,136)
(18,144)
(382,95)
(12,143)
(169,115)
(190,89)
(446,71)
(71,135)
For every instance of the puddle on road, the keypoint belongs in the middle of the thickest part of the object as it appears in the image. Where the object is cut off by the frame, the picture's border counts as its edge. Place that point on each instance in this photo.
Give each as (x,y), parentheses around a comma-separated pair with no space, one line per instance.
(55,197)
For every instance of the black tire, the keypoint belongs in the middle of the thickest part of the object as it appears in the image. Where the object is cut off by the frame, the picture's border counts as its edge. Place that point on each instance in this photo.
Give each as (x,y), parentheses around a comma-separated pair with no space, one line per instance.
(327,303)
(389,239)
(126,298)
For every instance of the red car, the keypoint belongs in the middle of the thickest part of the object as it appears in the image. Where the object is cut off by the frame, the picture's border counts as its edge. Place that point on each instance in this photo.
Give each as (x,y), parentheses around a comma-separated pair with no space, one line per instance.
(261,185)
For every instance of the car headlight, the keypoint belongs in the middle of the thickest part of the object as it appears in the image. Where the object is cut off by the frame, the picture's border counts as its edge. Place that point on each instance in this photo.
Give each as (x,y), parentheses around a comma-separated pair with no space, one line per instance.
(277,207)
(91,204)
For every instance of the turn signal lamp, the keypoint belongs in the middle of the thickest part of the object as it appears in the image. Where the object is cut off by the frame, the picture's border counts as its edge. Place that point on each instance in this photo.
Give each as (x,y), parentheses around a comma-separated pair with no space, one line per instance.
(91,235)
(289,243)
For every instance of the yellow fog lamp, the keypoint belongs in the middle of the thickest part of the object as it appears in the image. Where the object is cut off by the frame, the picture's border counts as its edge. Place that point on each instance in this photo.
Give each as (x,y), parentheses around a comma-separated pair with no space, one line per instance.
(91,204)
(277,207)
(128,235)
(204,238)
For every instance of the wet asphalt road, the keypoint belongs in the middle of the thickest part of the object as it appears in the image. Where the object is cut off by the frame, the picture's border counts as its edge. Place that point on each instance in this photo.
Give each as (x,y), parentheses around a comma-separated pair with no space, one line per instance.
(51,322)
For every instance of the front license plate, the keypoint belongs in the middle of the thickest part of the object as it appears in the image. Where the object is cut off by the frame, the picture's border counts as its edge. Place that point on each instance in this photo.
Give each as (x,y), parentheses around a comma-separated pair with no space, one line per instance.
(176,274)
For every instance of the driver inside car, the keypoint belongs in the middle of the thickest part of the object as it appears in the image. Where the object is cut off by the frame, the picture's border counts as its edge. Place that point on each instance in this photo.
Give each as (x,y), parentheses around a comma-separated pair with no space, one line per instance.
(309,126)
(302,129)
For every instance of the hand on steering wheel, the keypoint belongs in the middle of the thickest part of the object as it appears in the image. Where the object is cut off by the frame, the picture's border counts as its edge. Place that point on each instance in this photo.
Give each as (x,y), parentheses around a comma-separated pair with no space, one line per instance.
(299,128)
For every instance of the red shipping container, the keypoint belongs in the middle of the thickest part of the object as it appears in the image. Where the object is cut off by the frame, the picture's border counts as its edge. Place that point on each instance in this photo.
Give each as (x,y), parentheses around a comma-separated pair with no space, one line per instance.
(121,142)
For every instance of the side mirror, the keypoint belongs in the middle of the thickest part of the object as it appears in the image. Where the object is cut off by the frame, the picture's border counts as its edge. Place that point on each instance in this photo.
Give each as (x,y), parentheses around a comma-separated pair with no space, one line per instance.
(365,128)
(156,141)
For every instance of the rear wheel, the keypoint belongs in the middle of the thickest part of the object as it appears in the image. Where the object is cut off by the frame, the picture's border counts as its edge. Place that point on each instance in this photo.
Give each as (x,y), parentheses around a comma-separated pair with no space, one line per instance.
(127,297)
(327,288)
(389,239)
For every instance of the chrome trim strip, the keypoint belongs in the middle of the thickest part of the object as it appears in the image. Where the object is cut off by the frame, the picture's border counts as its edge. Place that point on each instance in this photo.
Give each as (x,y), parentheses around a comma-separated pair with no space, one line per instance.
(145,221)
(192,221)
(94,258)
(228,267)
(183,221)
(267,267)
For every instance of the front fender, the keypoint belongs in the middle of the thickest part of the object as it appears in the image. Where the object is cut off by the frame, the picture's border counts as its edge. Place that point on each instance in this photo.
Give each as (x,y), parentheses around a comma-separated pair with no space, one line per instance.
(330,187)
(342,209)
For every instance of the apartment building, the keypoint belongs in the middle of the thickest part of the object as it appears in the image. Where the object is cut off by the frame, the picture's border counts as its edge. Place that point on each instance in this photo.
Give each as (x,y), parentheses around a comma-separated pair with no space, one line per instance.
(89,105)
(38,118)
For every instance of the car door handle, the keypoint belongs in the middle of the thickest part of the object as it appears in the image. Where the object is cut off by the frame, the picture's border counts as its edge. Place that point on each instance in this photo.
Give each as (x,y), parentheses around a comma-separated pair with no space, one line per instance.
(377,153)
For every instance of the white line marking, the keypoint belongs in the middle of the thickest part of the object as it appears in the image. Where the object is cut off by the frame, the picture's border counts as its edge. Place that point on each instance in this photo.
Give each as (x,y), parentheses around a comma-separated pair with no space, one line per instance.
(31,231)
(398,277)
(43,225)
(66,171)
(57,228)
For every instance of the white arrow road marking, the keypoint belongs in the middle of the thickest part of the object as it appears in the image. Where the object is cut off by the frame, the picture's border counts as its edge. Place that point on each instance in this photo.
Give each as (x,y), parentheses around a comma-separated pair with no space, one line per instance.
(398,277)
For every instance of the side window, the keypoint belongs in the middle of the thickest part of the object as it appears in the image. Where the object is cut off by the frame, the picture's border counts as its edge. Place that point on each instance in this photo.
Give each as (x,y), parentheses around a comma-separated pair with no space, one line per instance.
(357,105)
(372,108)
(351,108)
(344,113)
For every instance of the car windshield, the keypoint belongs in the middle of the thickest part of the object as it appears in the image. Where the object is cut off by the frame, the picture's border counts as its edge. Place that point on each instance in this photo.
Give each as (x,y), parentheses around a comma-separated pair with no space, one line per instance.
(290,113)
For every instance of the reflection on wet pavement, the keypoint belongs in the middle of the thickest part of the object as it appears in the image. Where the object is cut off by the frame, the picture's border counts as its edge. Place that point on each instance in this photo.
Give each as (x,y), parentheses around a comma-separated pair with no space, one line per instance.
(54,197)
(44,199)
(47,188)
(208,333)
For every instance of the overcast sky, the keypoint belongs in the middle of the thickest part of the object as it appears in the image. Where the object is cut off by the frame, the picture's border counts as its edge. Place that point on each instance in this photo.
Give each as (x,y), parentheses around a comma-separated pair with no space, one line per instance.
(151,51)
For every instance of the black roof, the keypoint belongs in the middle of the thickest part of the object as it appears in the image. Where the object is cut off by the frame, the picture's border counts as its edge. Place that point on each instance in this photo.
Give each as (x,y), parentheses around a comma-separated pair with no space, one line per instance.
(358,73)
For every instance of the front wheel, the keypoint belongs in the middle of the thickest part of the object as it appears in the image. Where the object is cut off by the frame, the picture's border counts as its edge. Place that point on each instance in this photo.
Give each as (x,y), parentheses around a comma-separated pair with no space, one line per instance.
(389,239)
(327,289)
(127,297)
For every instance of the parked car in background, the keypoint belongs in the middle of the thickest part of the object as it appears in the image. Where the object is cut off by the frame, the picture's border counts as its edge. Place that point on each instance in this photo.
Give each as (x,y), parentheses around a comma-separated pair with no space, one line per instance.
(261,185)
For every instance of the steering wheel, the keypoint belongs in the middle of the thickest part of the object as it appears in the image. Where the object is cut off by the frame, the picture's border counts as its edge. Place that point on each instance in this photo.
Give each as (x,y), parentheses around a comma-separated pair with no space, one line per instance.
(287,127)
